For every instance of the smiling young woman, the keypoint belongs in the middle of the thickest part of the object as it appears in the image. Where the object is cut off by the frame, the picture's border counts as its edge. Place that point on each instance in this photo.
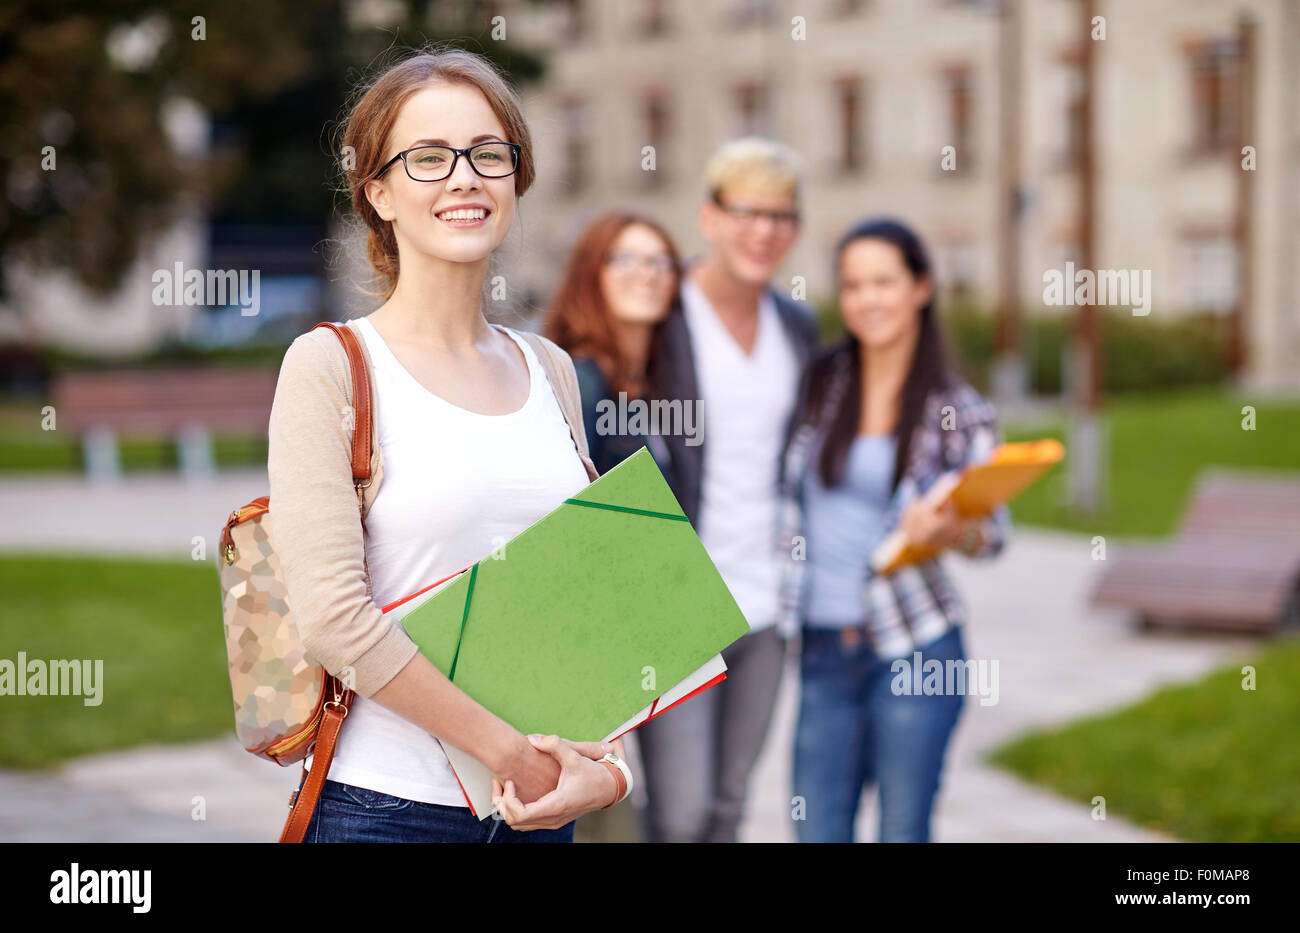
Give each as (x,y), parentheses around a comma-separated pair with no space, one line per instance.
(880,417)
(475,448)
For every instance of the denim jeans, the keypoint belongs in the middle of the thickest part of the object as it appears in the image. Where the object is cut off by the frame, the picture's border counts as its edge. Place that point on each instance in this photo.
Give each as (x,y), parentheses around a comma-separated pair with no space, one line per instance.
(853,732)
(347,813)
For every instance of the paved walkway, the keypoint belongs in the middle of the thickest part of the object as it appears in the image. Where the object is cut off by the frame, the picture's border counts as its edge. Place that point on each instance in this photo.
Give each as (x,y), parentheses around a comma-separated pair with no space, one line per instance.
(1058,659)
(144,514)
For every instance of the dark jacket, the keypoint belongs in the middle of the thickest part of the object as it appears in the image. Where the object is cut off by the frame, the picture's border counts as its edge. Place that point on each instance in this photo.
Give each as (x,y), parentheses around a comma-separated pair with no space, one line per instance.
(607,449)
(672,376)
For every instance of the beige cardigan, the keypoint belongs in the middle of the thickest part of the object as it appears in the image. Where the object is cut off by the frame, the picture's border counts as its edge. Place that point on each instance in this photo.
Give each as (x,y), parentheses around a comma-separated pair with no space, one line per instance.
(317,527)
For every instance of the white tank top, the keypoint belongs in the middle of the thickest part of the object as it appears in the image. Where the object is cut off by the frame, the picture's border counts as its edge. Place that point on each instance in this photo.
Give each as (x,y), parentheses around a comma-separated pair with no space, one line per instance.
(456,486)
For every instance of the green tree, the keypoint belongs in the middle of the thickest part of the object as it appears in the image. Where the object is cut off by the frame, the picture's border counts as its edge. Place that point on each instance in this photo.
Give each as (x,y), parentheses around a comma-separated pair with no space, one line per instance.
(89,169)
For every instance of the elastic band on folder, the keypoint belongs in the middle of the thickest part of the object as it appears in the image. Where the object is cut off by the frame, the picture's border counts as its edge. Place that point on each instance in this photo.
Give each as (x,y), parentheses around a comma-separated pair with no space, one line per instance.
(469,592)
(624,508)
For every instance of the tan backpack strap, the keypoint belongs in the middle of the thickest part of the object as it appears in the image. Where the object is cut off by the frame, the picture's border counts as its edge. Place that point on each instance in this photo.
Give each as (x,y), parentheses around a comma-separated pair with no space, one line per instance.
(303,802)
(564,383)
(361,439)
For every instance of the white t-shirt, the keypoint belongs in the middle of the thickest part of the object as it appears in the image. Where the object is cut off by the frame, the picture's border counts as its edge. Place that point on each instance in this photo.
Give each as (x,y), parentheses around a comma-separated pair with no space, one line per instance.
(746,402)
(456,486)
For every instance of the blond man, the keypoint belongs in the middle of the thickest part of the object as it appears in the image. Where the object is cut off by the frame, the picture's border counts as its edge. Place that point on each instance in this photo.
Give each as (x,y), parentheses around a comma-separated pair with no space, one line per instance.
(735,346)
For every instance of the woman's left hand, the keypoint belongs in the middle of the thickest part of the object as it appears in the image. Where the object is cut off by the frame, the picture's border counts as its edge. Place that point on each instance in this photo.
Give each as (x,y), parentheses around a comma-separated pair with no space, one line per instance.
(584,786)
(941,528)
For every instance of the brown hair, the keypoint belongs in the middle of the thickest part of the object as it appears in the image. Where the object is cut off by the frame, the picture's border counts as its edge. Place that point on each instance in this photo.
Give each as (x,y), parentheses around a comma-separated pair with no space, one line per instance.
(928,371)
(579,317)
(370,121)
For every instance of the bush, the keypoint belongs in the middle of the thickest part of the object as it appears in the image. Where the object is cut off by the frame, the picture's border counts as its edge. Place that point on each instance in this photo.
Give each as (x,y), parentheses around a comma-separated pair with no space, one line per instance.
(1139,353)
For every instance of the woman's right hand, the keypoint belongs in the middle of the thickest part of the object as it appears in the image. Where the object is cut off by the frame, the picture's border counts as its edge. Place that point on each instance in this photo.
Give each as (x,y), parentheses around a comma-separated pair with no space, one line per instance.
(534,772)
(928,527)
(583,786)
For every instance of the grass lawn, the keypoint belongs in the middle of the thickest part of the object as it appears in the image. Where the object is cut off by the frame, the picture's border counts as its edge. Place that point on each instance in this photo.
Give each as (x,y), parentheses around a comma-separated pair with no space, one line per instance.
(155,625)
(61,453)
(1206,761)
(1158,445)
(25,448)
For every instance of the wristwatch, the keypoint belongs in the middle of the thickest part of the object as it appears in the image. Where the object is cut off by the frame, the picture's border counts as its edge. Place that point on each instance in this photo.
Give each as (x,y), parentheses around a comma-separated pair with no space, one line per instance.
(622,775)
(971,541)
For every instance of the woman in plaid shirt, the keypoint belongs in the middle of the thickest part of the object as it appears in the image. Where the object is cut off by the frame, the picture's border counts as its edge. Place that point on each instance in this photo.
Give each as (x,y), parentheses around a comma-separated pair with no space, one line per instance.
(879,418)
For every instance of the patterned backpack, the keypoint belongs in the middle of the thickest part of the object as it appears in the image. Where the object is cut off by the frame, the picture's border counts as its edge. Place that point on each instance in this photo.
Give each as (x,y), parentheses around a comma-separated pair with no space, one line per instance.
(285,703)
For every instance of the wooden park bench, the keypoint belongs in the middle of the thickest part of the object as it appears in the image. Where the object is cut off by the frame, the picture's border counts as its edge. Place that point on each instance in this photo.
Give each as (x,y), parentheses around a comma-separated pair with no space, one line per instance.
(1235,562)
(188,405)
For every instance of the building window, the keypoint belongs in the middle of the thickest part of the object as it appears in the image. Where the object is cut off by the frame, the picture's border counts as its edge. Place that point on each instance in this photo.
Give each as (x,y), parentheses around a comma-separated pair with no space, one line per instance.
(845,8)
(848,111)
(1213,66)
(958,268)
(651,18)
(655,126)
(1069,88)
(577,166)
(1067,249)
(743,13)
(752,109)
(573,20)
(1209,272)
(959,115)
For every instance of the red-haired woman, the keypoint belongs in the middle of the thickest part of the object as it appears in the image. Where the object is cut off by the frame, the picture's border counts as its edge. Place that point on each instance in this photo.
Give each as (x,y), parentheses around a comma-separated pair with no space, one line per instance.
(618,289)
(475,448)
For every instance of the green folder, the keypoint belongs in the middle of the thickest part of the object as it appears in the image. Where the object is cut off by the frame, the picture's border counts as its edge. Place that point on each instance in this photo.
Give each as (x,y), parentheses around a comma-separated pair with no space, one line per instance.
(593,611)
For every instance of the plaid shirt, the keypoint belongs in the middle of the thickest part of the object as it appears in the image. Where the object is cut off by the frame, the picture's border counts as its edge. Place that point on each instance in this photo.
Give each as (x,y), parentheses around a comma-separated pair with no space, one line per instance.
(918,603)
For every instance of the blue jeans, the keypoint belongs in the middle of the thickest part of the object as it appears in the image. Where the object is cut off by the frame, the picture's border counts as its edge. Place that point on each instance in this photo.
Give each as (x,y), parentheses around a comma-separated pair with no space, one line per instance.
(854,732)
(347,813)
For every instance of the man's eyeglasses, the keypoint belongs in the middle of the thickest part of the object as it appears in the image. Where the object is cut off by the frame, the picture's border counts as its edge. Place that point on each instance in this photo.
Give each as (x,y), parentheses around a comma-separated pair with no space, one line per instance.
(785,221)
(629,262)
(434,163)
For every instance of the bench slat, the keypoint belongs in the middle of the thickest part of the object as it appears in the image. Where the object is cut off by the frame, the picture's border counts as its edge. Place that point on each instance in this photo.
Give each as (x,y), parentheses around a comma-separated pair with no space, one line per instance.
(1235,561)
(161,402)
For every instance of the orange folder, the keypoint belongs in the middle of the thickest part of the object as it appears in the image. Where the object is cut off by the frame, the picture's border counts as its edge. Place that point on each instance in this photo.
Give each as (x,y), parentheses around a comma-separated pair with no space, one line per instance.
(975,492)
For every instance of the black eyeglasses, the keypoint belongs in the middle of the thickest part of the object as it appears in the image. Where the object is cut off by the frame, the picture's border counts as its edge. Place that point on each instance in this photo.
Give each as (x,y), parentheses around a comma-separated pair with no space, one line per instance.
(781,220)
(434,163)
